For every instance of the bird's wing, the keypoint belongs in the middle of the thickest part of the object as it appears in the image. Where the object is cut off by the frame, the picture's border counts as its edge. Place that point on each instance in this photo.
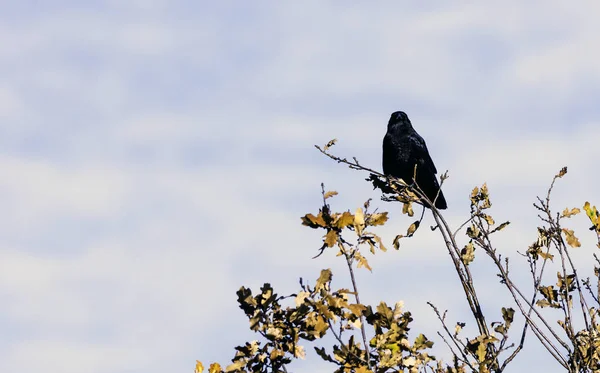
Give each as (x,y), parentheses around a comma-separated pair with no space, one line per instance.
(421,152)
(390,155)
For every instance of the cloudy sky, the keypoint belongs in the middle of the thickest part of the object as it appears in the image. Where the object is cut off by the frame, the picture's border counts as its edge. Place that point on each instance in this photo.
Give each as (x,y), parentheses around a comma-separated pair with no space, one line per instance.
(157,155)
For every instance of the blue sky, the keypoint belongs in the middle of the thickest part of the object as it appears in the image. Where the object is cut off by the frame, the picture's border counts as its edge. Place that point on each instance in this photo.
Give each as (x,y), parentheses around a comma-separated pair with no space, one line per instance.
(158,155)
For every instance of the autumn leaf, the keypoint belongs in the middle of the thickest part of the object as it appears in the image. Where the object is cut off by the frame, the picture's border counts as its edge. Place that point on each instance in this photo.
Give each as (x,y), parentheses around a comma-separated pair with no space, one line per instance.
(313,221)
(359,221)
(413,228)
(481,352)
(331,238)
(329,194)
(500,227)
(422,342)
(199,367)
(214,368)
(593,215)
(467,254)
(571,239)
(300,297)
(488,219)
(396,242)
(330,144)
(318,323)
(378,219)
(380,242)
(508,316)
(324,279)
(357,309)
(300,352)
(344,220)
(407,209)
(235,366)
(568,213)
(362,261)
(458,328)
(474,192)
(549,293)
(473,231)
(545,255)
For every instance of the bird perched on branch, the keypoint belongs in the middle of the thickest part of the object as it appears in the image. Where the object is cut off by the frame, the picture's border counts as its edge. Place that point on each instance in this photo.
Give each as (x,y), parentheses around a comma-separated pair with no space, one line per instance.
(403,149)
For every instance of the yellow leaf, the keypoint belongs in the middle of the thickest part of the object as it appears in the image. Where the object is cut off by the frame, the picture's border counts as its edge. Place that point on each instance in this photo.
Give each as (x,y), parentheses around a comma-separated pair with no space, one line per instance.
(481,351)
(344,220)
(380,242)
(545,255)
(407,209)
(378,219)
(458,328)
(324,279)
(488,219)
(356,323)
(313,221)
(199,367)
(571,239)
(484,189)
(301,297)
(330,144)
(359,221)
(467,254)
(396,242)
(331,238)
(300,353)
(215,368)
(412,229)
(235,366)
(276,353)
(317,323)
(362,261)
(593,215)
(356,309)
(331,193)
(568,213)
(500,227)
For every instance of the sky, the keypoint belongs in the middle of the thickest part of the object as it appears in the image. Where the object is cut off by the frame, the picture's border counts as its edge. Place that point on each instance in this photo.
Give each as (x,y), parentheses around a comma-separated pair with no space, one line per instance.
(157,155)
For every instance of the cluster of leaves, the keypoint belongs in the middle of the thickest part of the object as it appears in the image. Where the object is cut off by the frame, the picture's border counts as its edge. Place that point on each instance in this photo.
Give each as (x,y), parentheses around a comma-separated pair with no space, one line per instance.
(335,223)
(594,217)
(317,311)
(376,339)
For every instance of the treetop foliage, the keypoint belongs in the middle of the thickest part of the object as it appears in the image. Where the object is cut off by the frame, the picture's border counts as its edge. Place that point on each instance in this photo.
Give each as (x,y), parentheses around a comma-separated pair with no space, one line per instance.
(377,338)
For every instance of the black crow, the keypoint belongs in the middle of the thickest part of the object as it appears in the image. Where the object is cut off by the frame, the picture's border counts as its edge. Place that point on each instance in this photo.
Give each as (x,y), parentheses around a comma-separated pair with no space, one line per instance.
(403,148)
